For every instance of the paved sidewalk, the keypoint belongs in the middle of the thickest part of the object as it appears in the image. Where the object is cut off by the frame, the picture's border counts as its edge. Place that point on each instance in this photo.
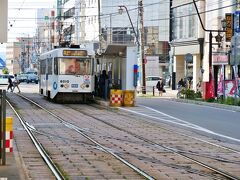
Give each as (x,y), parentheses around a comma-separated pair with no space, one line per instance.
(168,94)
(10,171)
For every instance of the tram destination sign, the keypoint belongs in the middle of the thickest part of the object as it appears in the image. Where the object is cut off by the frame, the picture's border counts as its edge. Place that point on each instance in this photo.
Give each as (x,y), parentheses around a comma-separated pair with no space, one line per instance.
(74,53)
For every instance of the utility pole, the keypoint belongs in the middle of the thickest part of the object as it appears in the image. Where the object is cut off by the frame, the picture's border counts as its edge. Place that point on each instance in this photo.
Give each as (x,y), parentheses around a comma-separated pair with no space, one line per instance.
(141,29)
(99,28)
(28,63)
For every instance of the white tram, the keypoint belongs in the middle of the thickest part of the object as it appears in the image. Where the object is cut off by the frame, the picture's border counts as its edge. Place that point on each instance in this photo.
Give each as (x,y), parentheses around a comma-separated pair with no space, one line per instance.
(66,75)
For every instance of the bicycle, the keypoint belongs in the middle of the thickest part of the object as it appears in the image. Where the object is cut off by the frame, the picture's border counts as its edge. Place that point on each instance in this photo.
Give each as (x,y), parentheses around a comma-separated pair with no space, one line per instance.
(179,93)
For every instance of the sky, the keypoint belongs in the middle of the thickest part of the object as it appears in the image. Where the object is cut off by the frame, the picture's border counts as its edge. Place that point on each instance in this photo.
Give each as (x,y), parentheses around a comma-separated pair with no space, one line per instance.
(22,19)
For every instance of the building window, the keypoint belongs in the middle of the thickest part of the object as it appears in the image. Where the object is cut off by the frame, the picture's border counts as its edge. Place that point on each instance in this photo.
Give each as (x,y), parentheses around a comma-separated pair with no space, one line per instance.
(69,13)
(95,19)
(65,1)
(184,23)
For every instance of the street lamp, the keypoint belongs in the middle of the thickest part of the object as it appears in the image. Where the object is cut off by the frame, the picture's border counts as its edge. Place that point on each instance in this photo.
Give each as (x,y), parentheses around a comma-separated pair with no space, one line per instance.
(224,24)
(120,11)
(139,44)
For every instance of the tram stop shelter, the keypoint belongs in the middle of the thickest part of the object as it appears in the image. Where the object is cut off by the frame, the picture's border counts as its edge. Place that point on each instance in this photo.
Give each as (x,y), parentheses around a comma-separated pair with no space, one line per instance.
(118,61)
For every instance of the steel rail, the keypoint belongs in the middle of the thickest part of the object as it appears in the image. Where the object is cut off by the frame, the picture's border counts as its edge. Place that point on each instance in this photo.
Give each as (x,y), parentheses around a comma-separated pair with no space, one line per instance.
(195,138)
(79,130)
(58,175)
(225,174)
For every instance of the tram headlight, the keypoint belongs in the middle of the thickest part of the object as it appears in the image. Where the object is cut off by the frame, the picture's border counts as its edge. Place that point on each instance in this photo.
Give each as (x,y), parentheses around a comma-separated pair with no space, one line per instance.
(66,86)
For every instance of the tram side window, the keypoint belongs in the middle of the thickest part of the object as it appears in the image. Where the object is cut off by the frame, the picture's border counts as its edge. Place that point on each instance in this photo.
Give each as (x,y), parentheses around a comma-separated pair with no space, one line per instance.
(55,66)
(43,67)
(49,65)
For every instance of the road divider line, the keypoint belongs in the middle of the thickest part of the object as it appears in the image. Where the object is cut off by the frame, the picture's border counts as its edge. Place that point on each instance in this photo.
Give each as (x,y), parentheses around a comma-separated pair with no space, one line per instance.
(186,124)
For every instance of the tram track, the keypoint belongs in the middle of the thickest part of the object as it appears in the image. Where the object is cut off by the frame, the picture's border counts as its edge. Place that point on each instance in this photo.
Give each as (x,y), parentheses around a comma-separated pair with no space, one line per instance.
(170,149)
(195,138)
(81,131)
(178,152)
(56,172)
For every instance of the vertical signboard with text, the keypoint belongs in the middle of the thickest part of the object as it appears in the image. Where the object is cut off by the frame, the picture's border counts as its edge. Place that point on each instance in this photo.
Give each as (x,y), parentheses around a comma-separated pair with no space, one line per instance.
(229,26)
(3,20)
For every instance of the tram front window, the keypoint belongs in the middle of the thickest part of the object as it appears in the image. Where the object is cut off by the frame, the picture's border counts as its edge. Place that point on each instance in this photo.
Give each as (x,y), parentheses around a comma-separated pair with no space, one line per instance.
(73,66)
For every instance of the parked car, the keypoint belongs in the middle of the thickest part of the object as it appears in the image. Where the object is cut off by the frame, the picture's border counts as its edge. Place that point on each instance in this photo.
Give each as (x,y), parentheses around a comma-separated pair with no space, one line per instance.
(4,79)
(151,81)
(32,77)
(22,77)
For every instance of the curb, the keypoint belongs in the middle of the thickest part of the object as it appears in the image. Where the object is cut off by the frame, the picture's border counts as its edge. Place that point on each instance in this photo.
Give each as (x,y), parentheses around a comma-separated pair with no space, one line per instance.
(223,106)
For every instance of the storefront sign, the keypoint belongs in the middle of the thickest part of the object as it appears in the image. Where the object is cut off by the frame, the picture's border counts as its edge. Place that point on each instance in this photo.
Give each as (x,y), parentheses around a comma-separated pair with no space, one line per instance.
(219,59)
(229,26)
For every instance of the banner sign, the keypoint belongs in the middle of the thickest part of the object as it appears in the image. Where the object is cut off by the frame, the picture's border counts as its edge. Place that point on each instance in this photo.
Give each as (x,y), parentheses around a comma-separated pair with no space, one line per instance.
(236,21)
(230,88)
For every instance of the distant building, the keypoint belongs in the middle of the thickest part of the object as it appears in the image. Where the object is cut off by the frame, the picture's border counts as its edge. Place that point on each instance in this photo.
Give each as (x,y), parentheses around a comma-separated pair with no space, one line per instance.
(188,37)
(46,35)
(13,57)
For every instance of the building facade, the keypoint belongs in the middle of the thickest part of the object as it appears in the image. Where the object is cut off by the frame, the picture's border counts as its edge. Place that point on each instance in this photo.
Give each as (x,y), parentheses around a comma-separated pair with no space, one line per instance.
(190,39)
(187,38)
(13,63)
(100,24)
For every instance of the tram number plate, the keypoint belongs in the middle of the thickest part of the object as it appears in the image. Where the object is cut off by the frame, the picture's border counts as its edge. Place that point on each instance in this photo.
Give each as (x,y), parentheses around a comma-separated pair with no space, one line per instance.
(74,85)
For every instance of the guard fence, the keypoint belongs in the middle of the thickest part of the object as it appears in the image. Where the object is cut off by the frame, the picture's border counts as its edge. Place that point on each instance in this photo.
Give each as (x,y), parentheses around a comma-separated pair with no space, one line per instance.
(151,90)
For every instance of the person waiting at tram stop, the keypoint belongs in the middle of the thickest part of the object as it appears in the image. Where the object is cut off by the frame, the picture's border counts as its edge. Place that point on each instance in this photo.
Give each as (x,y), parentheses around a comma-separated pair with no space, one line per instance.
(103,84)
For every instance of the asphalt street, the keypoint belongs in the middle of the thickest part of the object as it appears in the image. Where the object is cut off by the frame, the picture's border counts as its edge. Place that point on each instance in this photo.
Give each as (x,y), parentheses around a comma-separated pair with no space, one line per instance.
(220,121)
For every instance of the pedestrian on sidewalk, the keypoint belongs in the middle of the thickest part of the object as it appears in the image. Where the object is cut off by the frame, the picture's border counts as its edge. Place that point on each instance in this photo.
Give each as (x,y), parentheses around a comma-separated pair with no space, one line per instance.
(181,83)
(10,84)
(160,86)
(16,83)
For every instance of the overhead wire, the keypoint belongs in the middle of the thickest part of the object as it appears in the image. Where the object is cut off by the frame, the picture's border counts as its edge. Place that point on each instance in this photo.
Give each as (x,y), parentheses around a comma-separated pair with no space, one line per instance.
(106,16)
(159,19)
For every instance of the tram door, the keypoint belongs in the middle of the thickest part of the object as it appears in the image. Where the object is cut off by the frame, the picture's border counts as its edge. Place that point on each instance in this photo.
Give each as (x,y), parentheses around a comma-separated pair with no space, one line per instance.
(43,72)
(48,76)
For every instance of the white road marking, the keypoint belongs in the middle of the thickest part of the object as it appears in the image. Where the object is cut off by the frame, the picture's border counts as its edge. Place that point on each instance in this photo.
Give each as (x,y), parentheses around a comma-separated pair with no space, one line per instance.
(211,107)
(178,122)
